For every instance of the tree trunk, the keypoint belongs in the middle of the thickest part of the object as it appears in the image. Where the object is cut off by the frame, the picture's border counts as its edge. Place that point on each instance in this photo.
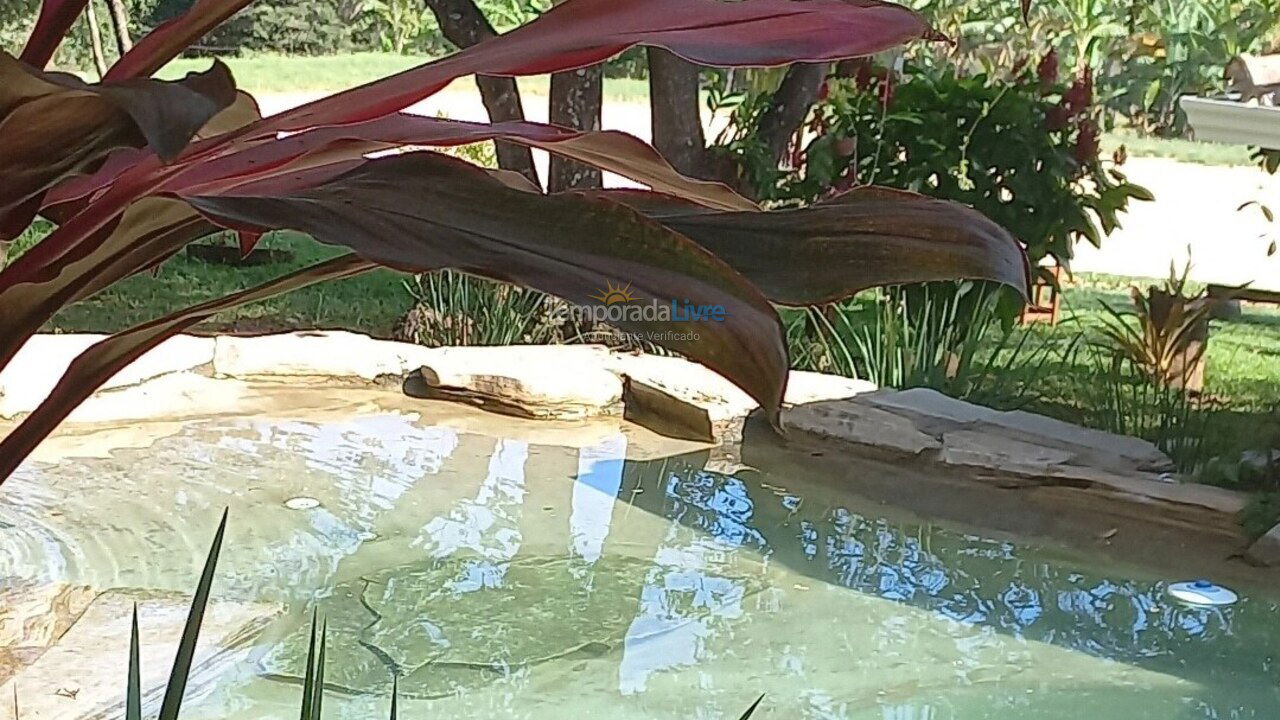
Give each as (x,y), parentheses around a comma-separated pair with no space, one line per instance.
(464,25)
(120,23)
(95,39)
(791,103)
(675,112)
(576,100)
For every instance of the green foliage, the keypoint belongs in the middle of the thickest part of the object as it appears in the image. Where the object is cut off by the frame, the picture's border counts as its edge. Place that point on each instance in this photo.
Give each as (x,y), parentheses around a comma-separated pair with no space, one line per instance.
(1116,395)
(1144,54)
(310,28)
(456,309)
(1023,153)
(944,336)
(1169,333)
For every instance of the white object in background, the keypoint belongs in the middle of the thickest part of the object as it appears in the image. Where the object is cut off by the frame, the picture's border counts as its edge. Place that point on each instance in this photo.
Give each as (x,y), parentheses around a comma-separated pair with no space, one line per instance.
(1224,120)
(1202,592)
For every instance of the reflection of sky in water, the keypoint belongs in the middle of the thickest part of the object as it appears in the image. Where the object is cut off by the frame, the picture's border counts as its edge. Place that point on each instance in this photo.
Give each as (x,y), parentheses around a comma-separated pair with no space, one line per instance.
(691,597)
(595,491)
(486,525)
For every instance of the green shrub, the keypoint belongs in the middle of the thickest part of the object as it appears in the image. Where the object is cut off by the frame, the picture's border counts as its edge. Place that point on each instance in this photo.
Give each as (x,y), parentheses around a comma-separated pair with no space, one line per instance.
(1023,152)
(1144,55)
(944,336)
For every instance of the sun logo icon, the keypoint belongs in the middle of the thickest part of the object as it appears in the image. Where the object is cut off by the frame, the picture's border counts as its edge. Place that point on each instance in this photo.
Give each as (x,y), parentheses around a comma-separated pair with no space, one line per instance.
(614,294)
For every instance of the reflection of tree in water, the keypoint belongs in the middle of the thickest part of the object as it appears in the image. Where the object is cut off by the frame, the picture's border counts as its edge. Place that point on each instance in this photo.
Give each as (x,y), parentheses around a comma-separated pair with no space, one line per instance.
(971,580)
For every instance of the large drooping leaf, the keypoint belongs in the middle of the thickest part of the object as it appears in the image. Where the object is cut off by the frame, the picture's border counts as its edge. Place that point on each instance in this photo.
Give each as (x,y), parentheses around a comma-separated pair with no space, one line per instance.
(424,211)
(46,270)
(107,357)
(56,17)
(577,33)
(54,125)
(867,237)
(62,201)
(613,151)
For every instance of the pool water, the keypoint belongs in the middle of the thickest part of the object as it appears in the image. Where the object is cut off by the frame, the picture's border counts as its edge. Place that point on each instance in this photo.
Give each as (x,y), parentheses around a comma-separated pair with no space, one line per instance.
(497,578)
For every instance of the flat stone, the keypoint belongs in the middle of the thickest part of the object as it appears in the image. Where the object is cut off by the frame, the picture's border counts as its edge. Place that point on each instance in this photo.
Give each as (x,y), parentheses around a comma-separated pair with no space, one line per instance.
(806,387)
(1266,549)
(859,423)
(542,381)
(985,450)
(688,382)
(82,677)
(312,354)
(932,404)
(657,410)
(174,395)
(35,615)
(27,380)
(1141,453)
(937,414)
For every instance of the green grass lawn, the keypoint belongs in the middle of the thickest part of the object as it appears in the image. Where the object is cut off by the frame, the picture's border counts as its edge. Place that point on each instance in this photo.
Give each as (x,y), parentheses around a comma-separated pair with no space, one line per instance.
(1190,151)
(266,74)
(371,303)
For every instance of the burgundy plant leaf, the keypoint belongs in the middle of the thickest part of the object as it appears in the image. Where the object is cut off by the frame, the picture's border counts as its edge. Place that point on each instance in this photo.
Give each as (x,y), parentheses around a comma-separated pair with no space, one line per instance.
(867,237)
(53,126)
(420,212)
(152,230)
(578,33)
(104,359)
(172,37)
(614,151)
(56,18)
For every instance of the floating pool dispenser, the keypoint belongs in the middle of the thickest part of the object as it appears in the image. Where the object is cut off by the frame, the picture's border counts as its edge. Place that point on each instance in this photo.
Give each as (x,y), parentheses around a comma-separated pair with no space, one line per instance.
(302,503)
(1203,592)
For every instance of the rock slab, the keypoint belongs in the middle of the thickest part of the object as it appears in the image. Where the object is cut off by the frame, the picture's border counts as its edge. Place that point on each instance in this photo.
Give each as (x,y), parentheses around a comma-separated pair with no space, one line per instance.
(82,676)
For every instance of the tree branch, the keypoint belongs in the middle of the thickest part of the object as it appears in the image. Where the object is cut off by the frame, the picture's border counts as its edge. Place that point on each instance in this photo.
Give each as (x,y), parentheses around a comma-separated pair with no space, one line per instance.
(675,112)
(464,25)
(791,103)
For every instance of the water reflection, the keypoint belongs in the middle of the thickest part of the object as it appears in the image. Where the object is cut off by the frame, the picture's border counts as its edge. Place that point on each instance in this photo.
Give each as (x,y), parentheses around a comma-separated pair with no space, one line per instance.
(523,580)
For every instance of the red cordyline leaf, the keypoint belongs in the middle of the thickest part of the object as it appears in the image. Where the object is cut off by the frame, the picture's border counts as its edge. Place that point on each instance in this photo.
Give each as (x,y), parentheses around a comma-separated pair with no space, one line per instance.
(581,32)
(56,17)
(172,37)
(54,125)
(617,152)
(578,33)
(292,175)
(864,238)
(424,211)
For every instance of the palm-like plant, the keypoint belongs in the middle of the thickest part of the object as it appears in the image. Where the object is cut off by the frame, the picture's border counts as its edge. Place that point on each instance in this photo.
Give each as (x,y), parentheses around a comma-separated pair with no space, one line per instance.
(132,169)
(1168,340)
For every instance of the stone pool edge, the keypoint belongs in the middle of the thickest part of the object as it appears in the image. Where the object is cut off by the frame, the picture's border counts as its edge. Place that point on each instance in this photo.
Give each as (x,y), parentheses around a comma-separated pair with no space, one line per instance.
(668,395)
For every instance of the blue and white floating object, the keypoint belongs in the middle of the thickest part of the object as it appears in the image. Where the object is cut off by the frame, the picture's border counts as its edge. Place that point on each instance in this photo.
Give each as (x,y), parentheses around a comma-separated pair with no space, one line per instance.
(1203,592)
